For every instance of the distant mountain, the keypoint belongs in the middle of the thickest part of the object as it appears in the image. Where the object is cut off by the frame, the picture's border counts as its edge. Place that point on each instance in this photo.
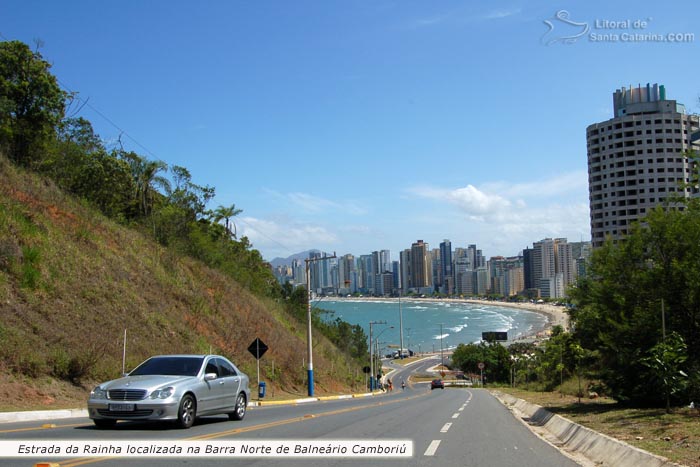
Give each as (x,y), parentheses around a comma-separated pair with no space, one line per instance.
(290,259)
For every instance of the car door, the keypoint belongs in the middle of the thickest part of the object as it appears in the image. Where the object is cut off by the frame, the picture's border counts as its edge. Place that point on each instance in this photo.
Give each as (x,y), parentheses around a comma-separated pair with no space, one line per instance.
(232,383)
(211,398)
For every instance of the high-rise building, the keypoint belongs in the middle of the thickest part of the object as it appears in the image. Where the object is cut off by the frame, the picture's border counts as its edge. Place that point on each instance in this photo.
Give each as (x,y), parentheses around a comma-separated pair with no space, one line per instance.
(365,275)
(396,272)
(550,267)
(405,271)
(446,274)
(507,275)
(436,268)
(637,160)
(464,277)
(347,274)
(421,267)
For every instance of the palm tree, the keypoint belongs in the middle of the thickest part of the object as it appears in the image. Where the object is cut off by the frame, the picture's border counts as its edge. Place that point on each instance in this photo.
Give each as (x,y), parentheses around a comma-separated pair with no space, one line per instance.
(147,178)
(226,213)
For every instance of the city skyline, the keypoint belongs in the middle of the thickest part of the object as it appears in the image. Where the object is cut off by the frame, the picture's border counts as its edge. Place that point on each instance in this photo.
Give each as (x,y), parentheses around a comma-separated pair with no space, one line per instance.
(545,269)
(345,126)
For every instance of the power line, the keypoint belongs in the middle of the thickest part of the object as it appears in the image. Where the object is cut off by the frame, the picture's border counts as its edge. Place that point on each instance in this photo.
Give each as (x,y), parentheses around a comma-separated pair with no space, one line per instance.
(266,236)
(85,103)
(107,119)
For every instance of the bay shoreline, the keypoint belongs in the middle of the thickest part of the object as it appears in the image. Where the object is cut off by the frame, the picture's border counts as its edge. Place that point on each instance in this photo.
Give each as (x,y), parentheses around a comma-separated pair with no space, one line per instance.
(556,315)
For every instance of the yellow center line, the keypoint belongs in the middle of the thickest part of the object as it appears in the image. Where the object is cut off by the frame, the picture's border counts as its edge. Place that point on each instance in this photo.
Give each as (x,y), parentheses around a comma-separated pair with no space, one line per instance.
(262,426)
(48,426)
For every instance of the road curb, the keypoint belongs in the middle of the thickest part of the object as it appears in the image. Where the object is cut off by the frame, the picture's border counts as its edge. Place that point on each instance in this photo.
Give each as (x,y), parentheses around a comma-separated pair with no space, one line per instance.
(599,448)
(9,417)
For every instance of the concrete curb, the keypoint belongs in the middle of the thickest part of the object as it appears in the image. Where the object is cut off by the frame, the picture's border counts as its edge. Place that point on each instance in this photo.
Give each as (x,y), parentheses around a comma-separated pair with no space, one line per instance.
(9,417)
(599,448)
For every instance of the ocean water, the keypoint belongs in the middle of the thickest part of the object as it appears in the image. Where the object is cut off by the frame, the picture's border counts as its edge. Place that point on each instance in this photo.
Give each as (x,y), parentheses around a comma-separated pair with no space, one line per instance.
(431,325)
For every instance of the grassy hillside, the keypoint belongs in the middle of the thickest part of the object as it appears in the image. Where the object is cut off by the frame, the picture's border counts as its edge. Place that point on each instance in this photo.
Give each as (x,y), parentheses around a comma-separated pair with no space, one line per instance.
(71,282)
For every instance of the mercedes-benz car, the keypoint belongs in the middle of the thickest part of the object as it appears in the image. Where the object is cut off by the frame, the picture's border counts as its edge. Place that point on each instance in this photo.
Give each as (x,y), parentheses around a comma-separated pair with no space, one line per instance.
(175,388)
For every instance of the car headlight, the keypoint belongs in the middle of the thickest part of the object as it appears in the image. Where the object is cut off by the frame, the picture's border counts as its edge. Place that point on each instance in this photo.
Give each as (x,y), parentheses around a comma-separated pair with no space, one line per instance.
(163,393)
(98,393)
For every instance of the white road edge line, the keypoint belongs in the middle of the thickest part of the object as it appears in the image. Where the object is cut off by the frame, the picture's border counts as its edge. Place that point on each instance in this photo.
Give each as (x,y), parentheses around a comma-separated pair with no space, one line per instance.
(432,448)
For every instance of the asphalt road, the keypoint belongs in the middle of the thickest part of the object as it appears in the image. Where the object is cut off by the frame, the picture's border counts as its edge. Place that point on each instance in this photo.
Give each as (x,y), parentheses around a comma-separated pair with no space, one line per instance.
(454,426)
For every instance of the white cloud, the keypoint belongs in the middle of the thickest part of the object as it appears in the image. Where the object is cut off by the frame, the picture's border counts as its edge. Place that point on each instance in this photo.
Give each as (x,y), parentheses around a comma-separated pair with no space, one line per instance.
(562,184)
(475,203)
(284,238)
(510,216)
(315,205)
(502,13)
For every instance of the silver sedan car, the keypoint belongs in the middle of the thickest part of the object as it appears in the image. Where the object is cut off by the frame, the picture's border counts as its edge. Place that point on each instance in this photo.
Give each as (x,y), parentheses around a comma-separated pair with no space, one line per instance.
(172,387)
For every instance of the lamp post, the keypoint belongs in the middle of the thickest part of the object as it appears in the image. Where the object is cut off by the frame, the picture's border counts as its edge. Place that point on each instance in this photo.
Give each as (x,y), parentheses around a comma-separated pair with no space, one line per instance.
(442,358)
(371,353)
(310,367)
(408,341)
(400,327)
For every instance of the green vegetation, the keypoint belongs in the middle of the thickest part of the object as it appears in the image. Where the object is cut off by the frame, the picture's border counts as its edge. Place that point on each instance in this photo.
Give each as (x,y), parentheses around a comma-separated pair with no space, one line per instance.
(638,311)
(635,321)
(95,241)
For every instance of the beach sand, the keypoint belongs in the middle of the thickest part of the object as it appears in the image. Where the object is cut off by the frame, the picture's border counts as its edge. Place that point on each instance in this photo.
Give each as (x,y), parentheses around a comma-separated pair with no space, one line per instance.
(556,315)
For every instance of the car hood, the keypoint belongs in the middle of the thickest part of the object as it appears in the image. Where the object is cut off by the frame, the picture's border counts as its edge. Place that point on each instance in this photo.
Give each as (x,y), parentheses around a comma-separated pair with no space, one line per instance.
(148,382)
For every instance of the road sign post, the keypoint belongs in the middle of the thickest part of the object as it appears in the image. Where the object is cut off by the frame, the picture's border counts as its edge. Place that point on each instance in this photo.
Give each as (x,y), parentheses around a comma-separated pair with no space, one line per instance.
(258,349)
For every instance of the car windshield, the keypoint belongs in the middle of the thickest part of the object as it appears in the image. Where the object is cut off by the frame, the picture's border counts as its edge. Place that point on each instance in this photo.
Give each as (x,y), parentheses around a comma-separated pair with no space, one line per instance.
(180,366)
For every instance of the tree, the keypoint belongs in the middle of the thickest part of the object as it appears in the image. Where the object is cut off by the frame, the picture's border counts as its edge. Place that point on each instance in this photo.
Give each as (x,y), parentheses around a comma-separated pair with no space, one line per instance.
(78,162)
(665,360)
(618,303)
(146,179)
(226,213)
(32,104)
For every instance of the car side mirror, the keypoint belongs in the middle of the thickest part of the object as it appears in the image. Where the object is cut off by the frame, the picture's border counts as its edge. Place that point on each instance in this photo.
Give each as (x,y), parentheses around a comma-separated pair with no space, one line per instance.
(209,376)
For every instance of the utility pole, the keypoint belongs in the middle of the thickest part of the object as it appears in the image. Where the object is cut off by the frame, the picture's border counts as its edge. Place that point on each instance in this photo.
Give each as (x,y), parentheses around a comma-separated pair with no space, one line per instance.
(310,367)
(371,354)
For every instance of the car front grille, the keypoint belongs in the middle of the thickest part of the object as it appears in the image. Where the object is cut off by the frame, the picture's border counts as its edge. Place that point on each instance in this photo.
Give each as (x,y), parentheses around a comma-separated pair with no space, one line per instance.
(126,394)
(121,414)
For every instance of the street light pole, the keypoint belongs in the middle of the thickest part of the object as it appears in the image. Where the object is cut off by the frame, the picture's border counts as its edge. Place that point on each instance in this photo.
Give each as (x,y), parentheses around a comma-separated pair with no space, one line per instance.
(400,328)
(442,358)
(310,366)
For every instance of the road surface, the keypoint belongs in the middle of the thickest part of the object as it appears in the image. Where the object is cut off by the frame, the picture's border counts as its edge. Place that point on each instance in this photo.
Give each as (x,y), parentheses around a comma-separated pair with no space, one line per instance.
(452,426)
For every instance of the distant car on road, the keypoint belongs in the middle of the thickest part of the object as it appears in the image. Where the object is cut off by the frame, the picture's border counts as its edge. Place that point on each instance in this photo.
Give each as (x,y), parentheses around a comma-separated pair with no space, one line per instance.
(437,384)
(178,388)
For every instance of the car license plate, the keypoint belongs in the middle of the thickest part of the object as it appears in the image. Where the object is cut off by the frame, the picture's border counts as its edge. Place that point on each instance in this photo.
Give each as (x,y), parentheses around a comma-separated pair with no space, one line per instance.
(122,407)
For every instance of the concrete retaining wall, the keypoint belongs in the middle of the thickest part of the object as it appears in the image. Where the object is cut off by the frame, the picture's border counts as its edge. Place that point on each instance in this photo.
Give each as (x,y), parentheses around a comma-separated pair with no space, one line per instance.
(597,447)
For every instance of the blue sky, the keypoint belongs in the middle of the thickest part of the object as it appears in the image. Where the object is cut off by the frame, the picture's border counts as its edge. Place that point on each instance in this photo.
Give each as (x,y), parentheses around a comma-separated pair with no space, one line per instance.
(355,126)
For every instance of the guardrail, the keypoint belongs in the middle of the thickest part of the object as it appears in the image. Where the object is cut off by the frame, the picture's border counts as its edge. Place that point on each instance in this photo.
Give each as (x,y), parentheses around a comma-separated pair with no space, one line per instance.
(459,382)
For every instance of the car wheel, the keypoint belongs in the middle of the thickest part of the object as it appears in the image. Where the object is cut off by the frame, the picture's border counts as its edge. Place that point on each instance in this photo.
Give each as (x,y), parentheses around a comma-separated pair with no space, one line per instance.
(187,412)
(104,423)
(239,413)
